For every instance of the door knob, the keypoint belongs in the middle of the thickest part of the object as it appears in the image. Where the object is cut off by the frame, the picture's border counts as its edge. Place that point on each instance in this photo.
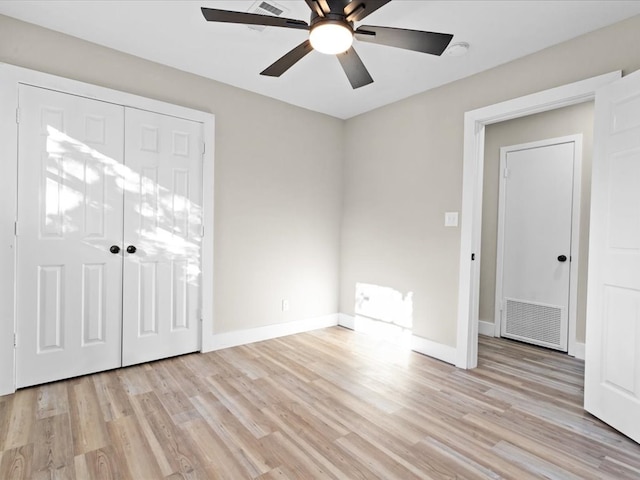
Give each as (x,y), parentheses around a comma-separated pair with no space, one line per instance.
(131,249)
(114,249)
(562,258)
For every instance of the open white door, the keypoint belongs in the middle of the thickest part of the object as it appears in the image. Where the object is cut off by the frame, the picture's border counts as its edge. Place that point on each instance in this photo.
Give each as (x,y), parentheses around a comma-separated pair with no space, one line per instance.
(612,376)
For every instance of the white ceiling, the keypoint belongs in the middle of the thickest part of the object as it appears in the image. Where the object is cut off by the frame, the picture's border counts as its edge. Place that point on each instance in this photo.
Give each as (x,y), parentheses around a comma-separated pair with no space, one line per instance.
(175,33)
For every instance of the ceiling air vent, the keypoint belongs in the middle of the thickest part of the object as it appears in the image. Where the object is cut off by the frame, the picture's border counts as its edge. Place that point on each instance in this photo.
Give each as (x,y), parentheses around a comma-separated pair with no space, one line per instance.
(265,8)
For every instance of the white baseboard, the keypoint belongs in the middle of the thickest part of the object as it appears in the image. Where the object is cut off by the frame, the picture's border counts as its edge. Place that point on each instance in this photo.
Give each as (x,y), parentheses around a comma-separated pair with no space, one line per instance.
(486,328)
(433,349)
(347,321)
(579,351)
(258,334)
(417,344)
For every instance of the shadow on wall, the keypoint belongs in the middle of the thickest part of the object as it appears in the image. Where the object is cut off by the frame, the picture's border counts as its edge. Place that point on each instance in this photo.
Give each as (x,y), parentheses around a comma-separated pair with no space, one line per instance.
(384,312)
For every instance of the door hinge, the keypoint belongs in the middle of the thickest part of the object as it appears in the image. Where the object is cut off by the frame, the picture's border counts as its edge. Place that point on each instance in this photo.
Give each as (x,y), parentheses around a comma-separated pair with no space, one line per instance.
(15,228)
(203,148)
(506,173)
(15,340)
(17,115)
(202,230)
(473,257)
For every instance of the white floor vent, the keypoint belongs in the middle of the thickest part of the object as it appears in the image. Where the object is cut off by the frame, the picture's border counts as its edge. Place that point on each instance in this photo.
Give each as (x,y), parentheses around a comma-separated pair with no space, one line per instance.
(534,323)
(262,7)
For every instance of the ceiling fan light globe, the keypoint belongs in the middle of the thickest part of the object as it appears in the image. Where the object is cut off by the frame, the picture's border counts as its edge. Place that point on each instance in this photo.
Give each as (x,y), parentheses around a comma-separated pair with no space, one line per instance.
(331,38)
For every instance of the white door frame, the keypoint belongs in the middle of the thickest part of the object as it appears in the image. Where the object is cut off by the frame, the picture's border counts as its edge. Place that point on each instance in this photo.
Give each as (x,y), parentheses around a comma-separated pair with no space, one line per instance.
(10,79)
(475,122)
(575,230)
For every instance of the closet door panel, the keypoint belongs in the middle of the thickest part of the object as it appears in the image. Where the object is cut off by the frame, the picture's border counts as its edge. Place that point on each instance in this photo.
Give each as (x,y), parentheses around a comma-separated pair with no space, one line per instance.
(69,284)
(163,232)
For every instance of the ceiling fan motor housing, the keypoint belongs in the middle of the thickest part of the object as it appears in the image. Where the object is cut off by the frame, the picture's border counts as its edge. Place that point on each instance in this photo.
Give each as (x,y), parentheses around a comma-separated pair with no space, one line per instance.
(330,18)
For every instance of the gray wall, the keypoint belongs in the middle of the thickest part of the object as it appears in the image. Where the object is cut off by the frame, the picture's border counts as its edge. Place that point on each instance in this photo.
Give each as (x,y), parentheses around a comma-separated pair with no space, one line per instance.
(277,209)
(557,123)
(403,170)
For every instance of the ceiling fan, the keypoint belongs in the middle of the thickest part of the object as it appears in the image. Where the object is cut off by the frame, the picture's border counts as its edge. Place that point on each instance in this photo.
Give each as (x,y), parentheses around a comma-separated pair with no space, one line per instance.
(331,31)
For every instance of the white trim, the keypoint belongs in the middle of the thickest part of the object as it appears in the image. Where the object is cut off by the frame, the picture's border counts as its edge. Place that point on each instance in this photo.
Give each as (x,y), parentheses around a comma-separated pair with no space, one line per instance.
(572,312)
(10,78)
(575,245)
(579,351)
(433,349)
(258,334)
(207,298)
(421,345)
(486,328)
(474,128)
(347,321)
(8,195)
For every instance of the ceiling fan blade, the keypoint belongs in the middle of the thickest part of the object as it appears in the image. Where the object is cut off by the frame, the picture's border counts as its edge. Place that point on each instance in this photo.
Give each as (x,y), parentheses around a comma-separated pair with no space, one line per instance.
(359,9)
(357,73)
(417,40)
(288,60)
(226,16)
(315,7)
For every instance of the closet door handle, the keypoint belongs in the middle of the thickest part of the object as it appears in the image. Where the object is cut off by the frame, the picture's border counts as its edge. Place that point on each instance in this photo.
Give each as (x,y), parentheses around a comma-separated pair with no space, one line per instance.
(131,249)
(562,258)
(115,249)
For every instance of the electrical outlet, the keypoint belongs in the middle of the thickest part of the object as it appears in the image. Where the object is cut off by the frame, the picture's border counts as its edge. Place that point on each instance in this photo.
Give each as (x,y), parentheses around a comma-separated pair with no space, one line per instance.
(285,305)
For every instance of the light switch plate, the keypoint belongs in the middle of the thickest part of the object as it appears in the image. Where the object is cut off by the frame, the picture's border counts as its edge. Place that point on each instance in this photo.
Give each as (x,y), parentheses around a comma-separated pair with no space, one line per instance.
(451,219)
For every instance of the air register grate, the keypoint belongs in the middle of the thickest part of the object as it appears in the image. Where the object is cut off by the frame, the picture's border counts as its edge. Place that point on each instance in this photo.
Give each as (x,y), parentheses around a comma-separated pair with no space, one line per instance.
(265,8)
(540,324)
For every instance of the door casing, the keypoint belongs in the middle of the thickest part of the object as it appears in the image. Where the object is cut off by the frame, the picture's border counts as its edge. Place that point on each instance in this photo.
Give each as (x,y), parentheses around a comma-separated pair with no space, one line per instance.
(475,122)
(10,79)
(575,229)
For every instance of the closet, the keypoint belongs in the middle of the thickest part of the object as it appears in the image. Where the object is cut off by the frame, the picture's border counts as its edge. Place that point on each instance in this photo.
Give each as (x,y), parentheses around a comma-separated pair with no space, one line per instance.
(108,235)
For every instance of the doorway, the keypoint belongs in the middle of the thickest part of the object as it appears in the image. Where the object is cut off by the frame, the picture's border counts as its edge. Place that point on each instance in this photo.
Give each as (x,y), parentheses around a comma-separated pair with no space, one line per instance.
(476,122)
(564,122)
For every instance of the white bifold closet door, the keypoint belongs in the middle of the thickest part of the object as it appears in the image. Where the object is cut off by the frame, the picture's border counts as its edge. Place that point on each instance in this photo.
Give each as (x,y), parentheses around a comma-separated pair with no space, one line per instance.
(163,222)
(94,179)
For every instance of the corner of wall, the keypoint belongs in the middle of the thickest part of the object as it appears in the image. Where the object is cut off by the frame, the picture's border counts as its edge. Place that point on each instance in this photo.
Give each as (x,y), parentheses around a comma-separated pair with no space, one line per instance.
(259,334)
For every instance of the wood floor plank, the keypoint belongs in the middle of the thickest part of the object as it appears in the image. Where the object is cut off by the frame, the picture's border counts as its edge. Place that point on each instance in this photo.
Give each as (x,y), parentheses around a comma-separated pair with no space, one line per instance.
(52,400)
(384,466)
(114,400)
(317,445)
(16,463)
(175,447)
(53,445)
(21,419)
(324,404)
(212,452)
(132,448)
(102,464)
(87,422)
(242,444)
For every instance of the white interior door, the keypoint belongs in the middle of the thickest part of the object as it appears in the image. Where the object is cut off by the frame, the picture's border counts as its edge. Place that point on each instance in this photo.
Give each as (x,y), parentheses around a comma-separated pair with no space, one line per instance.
(163,222)
(612,361)
(69,215)
(535,243)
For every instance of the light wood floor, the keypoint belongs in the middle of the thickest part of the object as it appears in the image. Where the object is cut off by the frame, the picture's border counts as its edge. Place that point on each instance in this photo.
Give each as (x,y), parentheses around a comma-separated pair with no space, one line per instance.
(325,404)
